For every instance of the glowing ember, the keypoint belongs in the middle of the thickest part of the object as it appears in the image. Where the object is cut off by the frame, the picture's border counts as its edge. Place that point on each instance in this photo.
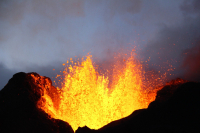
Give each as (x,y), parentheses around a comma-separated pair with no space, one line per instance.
(87,98)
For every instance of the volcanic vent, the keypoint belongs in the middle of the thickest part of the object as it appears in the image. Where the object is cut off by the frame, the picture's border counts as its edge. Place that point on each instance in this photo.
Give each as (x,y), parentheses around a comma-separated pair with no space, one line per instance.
(176,109)
(88,98)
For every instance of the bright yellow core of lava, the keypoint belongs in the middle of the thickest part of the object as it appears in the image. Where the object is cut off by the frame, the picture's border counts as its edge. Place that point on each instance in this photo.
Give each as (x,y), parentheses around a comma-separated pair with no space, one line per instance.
(87,100)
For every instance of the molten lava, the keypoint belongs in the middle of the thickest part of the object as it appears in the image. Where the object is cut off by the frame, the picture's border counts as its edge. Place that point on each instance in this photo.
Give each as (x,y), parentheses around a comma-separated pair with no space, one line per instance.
(87,98)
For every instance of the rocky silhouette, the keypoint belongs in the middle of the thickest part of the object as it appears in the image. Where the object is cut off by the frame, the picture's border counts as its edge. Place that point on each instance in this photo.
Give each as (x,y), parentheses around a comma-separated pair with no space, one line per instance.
(18,107)
(176,109)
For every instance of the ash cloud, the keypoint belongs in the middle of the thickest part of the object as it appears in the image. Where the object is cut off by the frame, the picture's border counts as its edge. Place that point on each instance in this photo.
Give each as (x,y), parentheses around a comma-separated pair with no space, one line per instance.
(178,45)
(40,35)
(117,7)
(31,31)
(40,32)
(191,64)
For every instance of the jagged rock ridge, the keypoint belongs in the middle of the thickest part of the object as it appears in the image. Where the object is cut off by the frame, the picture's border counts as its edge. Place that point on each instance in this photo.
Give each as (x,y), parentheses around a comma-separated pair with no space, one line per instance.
(175,110)
(19,111)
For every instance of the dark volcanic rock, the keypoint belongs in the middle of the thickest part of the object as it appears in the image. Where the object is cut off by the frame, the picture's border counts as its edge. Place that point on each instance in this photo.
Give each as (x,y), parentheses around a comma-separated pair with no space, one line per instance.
(176,109)
(167,91)
(18,106)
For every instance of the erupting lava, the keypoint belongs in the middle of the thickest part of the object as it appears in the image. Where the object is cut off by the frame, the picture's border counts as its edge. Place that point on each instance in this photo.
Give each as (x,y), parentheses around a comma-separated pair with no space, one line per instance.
(87,98)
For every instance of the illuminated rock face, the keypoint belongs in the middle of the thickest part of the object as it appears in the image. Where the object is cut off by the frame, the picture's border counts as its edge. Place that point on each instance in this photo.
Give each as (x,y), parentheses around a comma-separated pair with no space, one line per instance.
(176,109)
(88,98)
(18,107)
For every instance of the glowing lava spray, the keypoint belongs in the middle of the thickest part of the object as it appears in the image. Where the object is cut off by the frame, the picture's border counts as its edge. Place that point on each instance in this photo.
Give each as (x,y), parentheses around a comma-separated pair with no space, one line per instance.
(86,97)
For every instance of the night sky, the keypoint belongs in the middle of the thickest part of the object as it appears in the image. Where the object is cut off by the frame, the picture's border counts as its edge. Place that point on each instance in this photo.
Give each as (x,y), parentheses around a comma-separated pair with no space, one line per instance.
(40,35)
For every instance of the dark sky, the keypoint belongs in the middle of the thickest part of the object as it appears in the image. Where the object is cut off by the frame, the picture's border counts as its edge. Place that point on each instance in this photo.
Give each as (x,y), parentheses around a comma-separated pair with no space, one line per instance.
(40,35)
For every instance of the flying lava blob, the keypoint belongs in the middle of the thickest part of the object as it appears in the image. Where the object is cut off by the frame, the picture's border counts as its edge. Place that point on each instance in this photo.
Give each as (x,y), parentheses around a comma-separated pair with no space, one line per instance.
(87,98)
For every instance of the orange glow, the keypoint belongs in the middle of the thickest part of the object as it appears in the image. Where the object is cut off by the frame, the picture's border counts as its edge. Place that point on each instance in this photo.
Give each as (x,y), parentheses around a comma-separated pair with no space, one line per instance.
(87,98)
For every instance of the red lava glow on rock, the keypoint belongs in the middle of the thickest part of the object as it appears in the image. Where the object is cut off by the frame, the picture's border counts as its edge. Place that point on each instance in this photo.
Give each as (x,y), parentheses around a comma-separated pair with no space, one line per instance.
(87,98)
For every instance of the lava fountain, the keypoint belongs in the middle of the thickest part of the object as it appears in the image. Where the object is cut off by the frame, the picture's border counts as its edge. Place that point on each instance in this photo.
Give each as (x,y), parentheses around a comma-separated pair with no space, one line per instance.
(87,98)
